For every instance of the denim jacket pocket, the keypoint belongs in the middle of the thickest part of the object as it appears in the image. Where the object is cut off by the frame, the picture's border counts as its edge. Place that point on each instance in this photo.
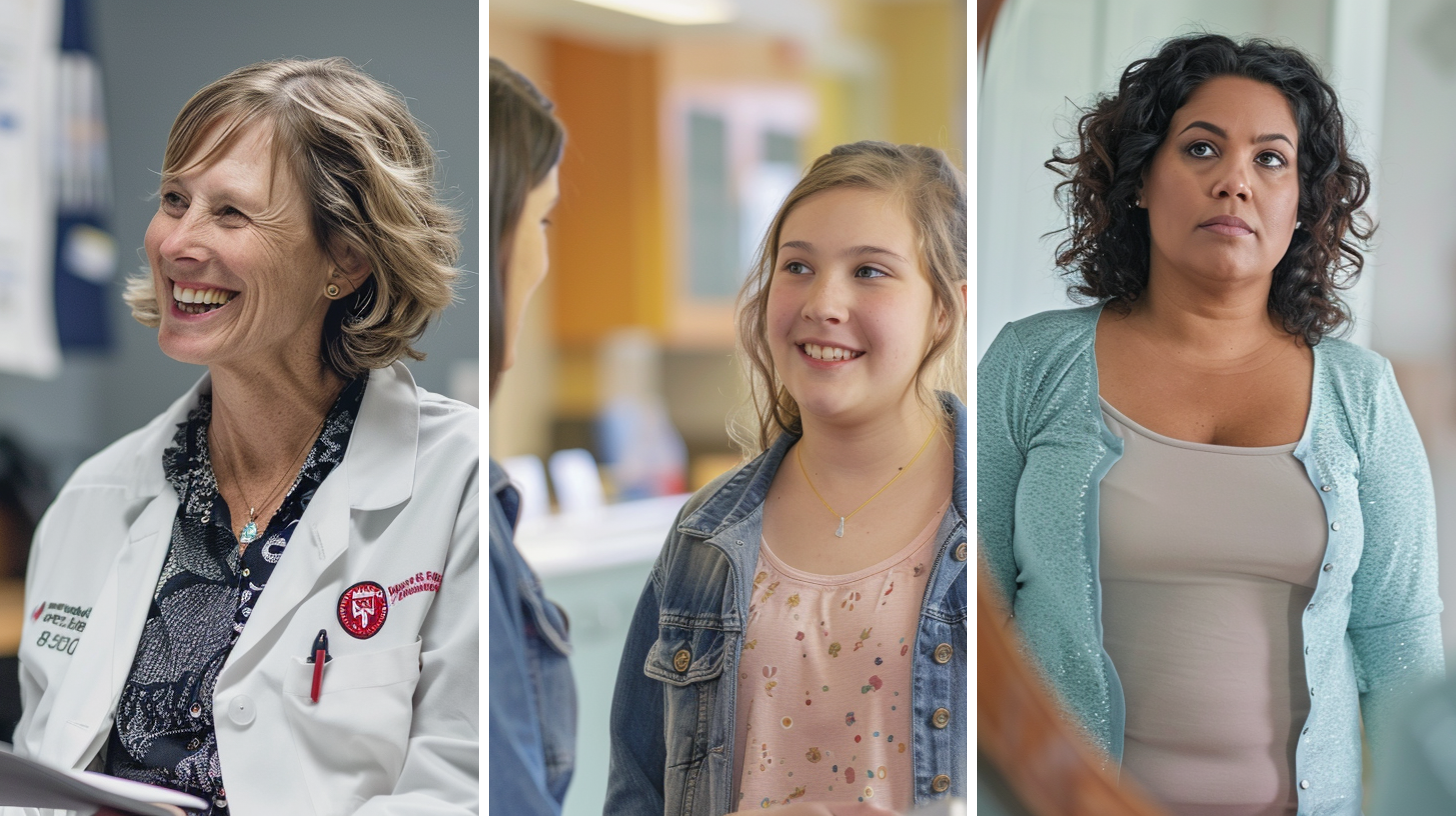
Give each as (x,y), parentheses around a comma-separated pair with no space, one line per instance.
(689,658)
(686,654)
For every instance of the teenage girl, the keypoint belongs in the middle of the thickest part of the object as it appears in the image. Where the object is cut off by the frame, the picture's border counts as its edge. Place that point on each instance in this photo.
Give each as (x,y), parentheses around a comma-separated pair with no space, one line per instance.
(801,639)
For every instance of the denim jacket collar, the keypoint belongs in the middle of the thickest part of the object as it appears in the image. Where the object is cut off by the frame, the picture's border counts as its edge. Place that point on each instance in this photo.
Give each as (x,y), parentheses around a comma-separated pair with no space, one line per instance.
(745,492)
(731,518)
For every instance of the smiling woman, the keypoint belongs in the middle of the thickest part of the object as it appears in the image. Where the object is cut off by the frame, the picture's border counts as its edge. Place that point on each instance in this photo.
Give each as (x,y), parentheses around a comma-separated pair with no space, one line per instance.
(298,251)
(1213,520)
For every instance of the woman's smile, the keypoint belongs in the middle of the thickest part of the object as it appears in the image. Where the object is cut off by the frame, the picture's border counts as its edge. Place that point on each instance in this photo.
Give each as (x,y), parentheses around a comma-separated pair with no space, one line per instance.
(193,299)
(240,217)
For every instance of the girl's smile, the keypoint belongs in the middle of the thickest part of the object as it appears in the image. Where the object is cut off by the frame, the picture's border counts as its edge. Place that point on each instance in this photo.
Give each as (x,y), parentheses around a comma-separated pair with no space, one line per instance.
(850,310)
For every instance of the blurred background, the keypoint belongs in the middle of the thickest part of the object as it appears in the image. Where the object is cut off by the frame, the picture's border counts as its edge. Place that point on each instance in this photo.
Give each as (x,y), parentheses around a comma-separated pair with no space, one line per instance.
(1393,63)
(88,92)
(684,133)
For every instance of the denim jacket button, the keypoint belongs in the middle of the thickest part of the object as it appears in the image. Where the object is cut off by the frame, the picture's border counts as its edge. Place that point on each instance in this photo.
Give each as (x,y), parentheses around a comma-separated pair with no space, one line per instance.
(943,653)
(960,552)
(681,660)
(941,783)
(940,719)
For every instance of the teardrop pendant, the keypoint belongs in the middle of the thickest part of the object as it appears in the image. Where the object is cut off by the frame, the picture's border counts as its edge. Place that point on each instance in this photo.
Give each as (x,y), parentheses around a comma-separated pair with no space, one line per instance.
(250,532)
(840,531)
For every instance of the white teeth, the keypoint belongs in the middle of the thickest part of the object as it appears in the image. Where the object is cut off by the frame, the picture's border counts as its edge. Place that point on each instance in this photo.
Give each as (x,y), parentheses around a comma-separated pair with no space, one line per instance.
(829,353)
(212,296)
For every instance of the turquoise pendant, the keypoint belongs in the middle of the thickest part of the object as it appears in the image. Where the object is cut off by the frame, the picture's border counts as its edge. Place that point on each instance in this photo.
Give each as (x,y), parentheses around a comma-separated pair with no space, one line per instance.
(250,532)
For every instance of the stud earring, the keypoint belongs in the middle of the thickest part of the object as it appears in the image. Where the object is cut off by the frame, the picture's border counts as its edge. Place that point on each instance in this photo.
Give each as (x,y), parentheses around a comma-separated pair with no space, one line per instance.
(332,291)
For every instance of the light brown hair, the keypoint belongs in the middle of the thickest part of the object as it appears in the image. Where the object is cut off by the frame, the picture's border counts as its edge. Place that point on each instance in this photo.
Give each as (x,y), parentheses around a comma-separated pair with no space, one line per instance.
(367,171)
(933,192)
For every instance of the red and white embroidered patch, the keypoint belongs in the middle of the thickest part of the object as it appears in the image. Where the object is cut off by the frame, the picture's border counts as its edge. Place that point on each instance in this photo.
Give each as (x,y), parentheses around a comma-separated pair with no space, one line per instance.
(363,608)
(419,582)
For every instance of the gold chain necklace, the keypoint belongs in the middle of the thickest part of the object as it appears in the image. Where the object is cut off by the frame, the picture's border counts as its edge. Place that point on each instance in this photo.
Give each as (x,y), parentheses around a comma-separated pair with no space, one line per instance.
(250,530)
(840,531)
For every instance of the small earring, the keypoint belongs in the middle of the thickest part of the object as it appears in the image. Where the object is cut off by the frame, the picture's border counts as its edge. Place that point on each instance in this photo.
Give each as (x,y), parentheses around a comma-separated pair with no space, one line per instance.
(332,291)
(1298,224)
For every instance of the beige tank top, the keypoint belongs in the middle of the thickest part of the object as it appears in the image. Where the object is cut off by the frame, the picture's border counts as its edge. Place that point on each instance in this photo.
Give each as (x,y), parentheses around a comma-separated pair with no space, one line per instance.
(1209,555)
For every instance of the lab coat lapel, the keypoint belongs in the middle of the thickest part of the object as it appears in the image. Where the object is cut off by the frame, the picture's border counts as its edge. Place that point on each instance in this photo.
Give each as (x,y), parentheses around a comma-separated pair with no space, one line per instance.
(104,657)
(377,472)
(320,538)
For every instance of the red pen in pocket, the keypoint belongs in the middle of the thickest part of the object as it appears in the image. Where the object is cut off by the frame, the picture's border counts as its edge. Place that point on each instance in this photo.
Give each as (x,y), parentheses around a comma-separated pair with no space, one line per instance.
(318,657)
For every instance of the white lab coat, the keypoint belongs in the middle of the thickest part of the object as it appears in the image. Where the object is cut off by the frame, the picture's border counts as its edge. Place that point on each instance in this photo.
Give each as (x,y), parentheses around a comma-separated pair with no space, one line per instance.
(396,729)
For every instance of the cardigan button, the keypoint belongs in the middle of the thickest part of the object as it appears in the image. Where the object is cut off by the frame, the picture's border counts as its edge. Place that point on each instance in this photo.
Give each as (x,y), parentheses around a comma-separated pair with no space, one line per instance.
(1304,784)
(1311,606)
(1329,567)
(681,660)
(943,653)
(1335,526)
(1327,488)
(940,784)
(940,719)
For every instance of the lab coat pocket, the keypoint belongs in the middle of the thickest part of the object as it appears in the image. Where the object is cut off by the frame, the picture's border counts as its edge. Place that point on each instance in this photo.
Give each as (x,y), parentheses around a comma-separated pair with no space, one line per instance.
(357,734)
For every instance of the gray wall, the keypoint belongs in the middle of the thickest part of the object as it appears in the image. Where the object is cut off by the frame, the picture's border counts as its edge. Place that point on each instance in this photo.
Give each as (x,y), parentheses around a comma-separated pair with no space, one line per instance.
(154,55)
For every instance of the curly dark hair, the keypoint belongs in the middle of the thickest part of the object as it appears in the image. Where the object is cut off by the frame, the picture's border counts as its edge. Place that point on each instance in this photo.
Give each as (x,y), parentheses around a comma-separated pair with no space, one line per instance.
(1106,255)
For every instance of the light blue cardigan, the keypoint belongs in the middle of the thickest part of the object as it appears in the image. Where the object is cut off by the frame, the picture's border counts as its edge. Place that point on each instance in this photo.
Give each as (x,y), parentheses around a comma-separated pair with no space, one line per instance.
(1373,623)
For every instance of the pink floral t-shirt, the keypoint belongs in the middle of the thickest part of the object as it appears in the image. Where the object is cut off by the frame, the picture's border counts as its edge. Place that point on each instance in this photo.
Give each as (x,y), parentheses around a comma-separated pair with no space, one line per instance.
(824,681)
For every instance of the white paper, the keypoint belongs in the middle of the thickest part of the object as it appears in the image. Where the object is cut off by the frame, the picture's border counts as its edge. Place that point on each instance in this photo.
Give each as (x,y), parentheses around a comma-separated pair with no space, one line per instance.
(26,783)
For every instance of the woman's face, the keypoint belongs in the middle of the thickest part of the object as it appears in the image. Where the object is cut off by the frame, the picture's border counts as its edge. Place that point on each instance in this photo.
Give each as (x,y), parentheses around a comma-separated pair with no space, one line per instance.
(850,309)
(1222,193)
(528,261)
(239,277)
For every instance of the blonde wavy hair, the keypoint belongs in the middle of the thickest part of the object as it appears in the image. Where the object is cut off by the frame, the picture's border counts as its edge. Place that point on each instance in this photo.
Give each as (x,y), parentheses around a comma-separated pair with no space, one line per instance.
(368,172)
(933,191)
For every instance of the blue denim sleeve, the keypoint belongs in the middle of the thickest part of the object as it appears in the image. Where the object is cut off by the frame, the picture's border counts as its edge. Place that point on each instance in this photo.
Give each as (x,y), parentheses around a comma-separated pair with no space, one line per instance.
(517,770)
(1395,620)
(638,751)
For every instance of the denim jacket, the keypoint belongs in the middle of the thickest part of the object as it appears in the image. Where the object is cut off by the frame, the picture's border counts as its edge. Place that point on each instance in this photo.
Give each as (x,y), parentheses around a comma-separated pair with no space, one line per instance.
(1372,627)
(532,697)
(673,715)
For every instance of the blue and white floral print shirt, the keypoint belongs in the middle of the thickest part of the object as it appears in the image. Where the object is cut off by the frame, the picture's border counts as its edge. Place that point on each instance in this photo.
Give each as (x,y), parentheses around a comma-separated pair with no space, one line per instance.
(163,733)
(1373,625)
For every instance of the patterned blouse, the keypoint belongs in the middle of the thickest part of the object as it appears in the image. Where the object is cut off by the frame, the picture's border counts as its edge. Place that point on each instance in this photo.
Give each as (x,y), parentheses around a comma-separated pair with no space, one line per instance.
(164,733)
